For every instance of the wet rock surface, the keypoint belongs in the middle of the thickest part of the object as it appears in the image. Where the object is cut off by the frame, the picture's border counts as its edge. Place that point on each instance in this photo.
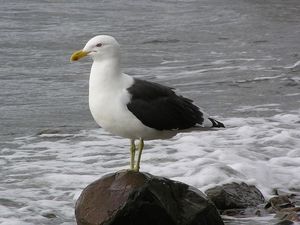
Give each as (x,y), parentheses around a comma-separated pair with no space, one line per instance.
(284,222)
(133,198)
(277,203)
(235,196)
(284,208)
(243,200)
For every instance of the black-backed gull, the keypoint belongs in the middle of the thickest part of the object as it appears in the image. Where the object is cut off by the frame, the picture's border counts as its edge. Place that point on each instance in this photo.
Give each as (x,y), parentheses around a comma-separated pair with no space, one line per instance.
(134,108)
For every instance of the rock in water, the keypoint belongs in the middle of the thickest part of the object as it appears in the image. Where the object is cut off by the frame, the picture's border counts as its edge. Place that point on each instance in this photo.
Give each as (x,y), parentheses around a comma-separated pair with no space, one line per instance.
(134,198)
(235,196)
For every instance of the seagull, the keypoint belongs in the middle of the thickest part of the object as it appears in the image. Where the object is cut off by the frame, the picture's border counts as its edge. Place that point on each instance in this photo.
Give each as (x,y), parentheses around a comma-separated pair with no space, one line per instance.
(134,108)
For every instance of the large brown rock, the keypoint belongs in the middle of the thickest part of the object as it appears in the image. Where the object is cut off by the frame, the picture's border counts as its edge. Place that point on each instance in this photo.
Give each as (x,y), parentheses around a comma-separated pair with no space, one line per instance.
(235,196)
(133,198)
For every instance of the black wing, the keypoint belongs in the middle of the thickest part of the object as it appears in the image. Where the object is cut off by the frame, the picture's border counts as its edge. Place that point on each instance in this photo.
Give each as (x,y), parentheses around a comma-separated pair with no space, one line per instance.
(158,107)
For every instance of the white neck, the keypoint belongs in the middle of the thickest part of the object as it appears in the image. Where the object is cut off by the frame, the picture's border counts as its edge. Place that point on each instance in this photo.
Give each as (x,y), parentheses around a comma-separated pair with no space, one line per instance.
(104,74)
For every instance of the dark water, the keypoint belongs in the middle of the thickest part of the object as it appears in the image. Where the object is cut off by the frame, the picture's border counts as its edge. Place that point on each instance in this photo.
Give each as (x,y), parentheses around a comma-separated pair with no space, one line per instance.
(235,58)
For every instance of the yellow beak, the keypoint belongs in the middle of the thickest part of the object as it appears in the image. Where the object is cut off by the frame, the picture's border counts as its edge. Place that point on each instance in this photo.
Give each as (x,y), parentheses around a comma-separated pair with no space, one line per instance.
(78,55)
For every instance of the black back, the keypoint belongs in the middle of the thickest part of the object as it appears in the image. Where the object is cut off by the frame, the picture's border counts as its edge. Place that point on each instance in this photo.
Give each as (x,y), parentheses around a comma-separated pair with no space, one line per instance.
(158,107)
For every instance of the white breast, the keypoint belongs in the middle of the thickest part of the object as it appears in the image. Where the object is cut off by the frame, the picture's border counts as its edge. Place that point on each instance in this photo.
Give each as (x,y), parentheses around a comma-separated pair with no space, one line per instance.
(108,98)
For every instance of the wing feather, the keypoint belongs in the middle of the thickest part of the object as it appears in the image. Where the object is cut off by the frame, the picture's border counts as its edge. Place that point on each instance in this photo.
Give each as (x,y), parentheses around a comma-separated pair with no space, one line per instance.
(159,107)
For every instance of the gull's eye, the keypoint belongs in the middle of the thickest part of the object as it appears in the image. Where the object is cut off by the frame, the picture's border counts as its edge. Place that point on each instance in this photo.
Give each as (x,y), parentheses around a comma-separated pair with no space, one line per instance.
(98,45)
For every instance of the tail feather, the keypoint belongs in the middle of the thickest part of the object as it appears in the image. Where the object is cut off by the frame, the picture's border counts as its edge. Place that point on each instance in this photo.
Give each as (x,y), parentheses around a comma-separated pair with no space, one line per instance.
(216,123)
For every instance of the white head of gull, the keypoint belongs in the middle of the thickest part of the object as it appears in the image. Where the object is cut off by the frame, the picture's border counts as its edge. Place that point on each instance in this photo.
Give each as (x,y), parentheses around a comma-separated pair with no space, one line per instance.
(133,108)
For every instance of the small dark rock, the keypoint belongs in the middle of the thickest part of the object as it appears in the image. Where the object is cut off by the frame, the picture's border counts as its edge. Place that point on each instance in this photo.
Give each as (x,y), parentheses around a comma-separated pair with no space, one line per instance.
(279,202)
(291,216)
(285,222)
(131,198)
(284,208)
(234,212)
(243,213)
(235,196)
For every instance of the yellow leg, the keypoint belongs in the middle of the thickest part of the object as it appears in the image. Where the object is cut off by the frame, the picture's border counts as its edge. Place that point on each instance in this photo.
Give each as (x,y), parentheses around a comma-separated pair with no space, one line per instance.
(132,154)
(141,146)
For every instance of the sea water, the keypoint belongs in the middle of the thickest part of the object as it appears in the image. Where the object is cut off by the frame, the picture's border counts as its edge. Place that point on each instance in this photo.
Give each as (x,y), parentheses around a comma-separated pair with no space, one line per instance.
(238,60)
